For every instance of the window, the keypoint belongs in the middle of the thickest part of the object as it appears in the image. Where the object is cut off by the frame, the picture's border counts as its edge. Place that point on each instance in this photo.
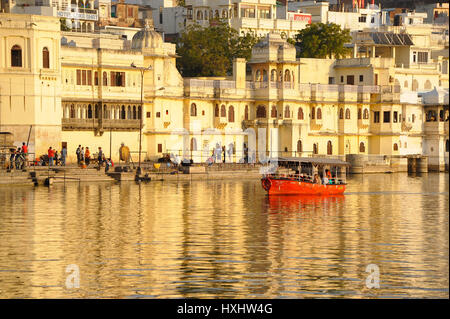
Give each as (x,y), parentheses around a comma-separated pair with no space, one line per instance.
(45,58)
(366,114)
(160,15)
(319,113)
(376,117)
(342,79)
(386,117)
(413,118)
(159,148)
(216,111)
(362,147)
(300,114)
(193,109)
(395,117)
(117,78)
(96,78)
(315,148)
(149,114)
(83,77)
(89,112)
(313,113)
(89,77)
(273,112)
(16,56)
(361,78)
(341,113)
(78,77)
(329,148)
(158,114)
(299,146)
(347,114)
(287,112)
(395,147)
(246,113)
(350,79)
(261,111)
(359,114)
(231,114)
(362,18)
(105,79)
(422,57)
(223,111)
(330,80)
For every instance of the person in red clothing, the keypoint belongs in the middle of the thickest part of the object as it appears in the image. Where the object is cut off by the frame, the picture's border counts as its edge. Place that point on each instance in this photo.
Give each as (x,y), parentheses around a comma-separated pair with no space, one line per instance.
(25,153)
(51,155)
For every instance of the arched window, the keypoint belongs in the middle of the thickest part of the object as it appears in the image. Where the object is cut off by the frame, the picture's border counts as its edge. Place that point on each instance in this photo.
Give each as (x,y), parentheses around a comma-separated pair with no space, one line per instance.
(287,112)
(395,147)
(341,113)
(265,78)
(105,112)
(362,147)
(129,112)
(300,114)
(273,75)
(415,85)
(366,114)
(193,109)
(89,113)
(258,76)
(139,112)
(261,111)
(441,115)
(359,114)
(313,113)
(216,111)
(427,85)
(72,111)
(329,148)
(299,146)
(413,118)
(199,15)
(193,144)
(287,76)
(96,111)
(273,112)
(347,114)
(246,113)
(216,14)
(319,113)
(315,148)
(105,79)
(122,113)
(224,13)
(45,58)
(16,56)
(134,112)
(223,111)
(231,114)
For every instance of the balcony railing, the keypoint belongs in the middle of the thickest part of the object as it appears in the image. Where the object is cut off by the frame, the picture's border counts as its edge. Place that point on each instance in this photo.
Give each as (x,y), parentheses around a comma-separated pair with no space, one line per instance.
(100,124)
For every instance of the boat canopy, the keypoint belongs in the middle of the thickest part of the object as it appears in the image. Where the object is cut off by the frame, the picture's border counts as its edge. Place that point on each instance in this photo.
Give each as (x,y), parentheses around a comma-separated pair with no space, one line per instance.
(312,160)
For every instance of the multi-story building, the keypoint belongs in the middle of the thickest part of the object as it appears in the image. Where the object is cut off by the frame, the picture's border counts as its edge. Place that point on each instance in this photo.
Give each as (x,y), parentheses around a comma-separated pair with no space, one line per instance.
(258,16)
(99,90)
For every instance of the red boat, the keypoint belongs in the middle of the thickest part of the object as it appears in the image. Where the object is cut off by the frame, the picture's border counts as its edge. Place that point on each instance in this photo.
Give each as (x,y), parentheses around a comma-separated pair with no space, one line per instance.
(303,177)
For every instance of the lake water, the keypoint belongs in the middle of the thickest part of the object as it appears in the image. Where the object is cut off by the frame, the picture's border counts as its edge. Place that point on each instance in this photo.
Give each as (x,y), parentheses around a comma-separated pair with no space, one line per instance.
(226,239)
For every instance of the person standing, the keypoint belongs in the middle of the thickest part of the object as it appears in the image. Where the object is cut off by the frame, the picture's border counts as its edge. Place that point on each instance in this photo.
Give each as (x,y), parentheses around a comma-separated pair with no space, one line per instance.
(25,153)
(50,154)
(78,152)
(18,158)
(230,151)
(87,156)
(63,155)
(100,157)
(11,158)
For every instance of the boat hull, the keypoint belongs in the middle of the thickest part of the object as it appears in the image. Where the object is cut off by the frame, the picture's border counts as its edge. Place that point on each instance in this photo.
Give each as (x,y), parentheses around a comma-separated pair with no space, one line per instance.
(275,186)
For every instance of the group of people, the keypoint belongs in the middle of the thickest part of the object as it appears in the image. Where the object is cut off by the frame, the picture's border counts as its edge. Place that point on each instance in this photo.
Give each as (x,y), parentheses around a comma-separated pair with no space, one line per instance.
(18,157)
(327,178)
(55,158)
(219,154)
(84,158)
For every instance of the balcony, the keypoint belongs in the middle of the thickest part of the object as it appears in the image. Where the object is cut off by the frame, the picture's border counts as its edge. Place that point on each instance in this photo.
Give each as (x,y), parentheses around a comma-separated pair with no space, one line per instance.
(406,127)
(101,125)
(363,123)
(436,127)
(79,14)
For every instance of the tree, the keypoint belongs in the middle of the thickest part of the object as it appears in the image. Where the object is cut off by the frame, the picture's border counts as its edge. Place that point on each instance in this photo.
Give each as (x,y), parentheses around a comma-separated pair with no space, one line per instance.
(63,25)
(320,40)
(210,51)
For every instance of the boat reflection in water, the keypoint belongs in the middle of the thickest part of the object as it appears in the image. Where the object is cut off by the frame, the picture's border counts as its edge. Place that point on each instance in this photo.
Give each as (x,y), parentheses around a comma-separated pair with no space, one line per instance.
(301,203)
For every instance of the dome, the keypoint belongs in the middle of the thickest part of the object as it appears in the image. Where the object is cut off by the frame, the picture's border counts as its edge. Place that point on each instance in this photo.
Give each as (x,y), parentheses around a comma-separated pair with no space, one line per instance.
(146,38)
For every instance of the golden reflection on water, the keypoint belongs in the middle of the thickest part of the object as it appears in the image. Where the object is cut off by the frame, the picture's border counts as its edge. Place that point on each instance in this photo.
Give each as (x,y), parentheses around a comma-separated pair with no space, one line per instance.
(226,239)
